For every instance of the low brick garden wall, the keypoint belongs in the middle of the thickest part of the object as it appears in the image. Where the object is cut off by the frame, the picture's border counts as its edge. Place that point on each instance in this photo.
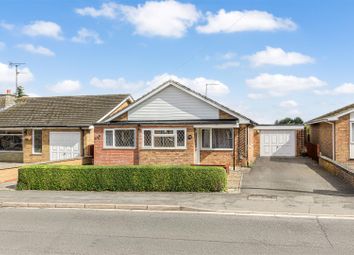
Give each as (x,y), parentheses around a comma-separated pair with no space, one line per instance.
(333,167)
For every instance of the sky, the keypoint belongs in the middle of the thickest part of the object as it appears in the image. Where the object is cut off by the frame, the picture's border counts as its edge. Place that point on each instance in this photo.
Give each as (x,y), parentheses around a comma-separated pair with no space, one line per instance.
(267,59)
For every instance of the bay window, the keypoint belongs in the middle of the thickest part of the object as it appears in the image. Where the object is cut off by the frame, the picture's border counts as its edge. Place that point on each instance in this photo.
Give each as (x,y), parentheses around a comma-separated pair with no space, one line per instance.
(217,138)
(164,138)
(11,140)
(123,138)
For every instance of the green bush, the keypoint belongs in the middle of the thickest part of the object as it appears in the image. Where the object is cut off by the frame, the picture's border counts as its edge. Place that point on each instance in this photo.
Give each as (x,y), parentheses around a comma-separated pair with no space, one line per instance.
(122,178)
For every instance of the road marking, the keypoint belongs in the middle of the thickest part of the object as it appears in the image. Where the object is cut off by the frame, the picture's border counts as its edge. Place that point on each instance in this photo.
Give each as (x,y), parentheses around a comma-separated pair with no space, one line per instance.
(221,213)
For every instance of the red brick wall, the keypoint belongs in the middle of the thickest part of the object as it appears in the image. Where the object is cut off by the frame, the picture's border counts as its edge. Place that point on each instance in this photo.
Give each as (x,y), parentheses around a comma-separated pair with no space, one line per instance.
(300,141)
(112,156)
(342,139)
(257,143)
(322,134)
(152,156)
(168,157)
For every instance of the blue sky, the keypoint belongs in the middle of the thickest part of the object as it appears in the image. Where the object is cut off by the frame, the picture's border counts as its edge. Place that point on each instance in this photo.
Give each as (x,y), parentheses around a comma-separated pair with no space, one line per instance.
(271,59)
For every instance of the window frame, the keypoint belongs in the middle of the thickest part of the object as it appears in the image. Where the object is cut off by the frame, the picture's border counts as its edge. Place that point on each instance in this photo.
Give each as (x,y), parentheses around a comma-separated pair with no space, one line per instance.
(114,146)
(33,152)
(153,135)
(15,134)
(210,148)
(351,132)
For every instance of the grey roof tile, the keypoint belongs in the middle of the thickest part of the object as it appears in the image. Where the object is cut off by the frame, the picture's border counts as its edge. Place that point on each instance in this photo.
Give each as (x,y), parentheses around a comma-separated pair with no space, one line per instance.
(60,111)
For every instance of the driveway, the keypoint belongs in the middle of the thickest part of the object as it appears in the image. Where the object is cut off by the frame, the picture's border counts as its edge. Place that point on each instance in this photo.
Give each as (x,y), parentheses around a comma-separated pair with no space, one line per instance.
(300,175)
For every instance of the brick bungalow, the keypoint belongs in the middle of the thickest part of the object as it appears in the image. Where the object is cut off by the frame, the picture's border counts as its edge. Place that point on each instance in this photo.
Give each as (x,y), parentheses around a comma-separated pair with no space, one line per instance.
(41,129)
(173,124)
(334,132)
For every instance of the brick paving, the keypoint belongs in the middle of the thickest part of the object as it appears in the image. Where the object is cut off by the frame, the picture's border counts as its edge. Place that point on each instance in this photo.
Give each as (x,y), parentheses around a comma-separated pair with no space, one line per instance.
(234,180)
(7,175)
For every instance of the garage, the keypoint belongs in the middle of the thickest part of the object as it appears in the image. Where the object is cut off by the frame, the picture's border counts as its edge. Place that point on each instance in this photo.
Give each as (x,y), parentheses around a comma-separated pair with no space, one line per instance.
(278,141)
(64,145)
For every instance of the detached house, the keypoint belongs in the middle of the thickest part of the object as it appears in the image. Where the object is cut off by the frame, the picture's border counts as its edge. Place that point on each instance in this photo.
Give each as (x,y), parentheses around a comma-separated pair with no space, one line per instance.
(334,132)
(40,129)
(176,125)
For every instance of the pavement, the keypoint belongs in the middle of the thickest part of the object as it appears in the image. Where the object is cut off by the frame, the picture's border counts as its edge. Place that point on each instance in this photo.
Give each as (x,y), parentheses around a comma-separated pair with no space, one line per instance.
(39,232)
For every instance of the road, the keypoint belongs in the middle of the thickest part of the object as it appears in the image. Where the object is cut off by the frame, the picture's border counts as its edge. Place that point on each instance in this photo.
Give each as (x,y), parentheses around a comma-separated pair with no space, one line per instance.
(55,231)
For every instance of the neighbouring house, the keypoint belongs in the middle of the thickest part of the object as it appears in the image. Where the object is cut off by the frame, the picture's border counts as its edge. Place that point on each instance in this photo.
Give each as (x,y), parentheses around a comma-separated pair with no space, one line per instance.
(173,124)
(41,129)
(334,133)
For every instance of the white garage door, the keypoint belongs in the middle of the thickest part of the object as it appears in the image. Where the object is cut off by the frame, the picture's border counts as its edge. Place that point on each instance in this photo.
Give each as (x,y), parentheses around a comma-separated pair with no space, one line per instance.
(64,145)
(278,143)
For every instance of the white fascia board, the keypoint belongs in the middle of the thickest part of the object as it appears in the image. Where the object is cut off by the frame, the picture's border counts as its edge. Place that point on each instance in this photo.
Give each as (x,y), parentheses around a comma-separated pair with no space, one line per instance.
(279,127)
(336,117)
(242,120)
(115,108)
(217,126)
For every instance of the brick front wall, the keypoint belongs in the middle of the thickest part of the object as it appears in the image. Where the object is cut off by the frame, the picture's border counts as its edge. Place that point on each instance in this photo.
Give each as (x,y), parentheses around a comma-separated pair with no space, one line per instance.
(168,157)
(300,141)
(322,134)
(257,143)
(342,139)
(112,156)
(161,156)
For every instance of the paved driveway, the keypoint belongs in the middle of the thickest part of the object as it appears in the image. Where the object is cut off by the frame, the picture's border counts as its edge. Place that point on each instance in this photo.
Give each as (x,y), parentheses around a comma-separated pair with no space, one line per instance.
(300,175)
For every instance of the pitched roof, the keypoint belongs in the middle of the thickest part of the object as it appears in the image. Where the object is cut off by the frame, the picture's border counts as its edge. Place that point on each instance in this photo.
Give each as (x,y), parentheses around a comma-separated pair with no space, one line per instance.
(189,90)
(59,111)
(332,114)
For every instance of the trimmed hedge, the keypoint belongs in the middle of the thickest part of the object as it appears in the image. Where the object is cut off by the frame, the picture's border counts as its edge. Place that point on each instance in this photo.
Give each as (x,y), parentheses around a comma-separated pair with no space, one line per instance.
(122,178)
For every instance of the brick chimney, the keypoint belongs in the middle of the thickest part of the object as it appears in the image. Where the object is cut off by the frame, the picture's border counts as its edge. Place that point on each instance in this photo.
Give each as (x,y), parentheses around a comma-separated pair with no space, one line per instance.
(7,100)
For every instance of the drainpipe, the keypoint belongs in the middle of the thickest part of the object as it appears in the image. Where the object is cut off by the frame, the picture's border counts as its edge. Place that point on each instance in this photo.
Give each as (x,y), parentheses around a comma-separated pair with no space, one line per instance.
(333,140)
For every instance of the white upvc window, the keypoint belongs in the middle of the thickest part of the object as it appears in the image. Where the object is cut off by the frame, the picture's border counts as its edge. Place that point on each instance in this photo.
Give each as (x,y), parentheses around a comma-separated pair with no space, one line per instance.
(11,140)
(352,132)
(119,138)
(217,139)
(169,138)
(37,141)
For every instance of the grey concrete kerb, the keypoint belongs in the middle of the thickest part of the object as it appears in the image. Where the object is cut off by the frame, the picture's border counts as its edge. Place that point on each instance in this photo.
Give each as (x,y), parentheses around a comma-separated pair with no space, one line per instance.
(100,206)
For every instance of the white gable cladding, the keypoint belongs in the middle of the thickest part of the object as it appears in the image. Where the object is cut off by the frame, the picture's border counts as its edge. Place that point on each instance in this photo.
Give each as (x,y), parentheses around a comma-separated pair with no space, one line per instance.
(173,104)
(352,116)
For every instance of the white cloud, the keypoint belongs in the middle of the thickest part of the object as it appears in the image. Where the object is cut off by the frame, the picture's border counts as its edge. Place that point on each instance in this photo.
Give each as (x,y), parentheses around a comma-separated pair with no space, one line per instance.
(228,55)
(36,49)
(2,45)
(43,28)
(161,18)
(107,10)
(344,89)
(138,88)
(7,26)
(240,21)
(278,84)
(217,88)
(288,104)
(256,96)
(85,36)
(65,86)
(7,76)
(117,84)
(277,56)
(228,64)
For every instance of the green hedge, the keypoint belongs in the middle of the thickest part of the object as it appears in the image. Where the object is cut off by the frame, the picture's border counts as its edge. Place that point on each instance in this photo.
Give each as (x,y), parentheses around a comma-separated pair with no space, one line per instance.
(122,178)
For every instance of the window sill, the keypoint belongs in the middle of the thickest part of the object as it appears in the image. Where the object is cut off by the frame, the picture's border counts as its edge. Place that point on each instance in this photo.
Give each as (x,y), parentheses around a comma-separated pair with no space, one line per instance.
(117,148)
(36,154)
(217,149)
(164,149)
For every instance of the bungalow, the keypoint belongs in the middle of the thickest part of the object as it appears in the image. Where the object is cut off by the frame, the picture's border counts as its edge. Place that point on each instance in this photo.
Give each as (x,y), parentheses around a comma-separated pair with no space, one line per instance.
(40,129)
(173,124)
(334,132)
